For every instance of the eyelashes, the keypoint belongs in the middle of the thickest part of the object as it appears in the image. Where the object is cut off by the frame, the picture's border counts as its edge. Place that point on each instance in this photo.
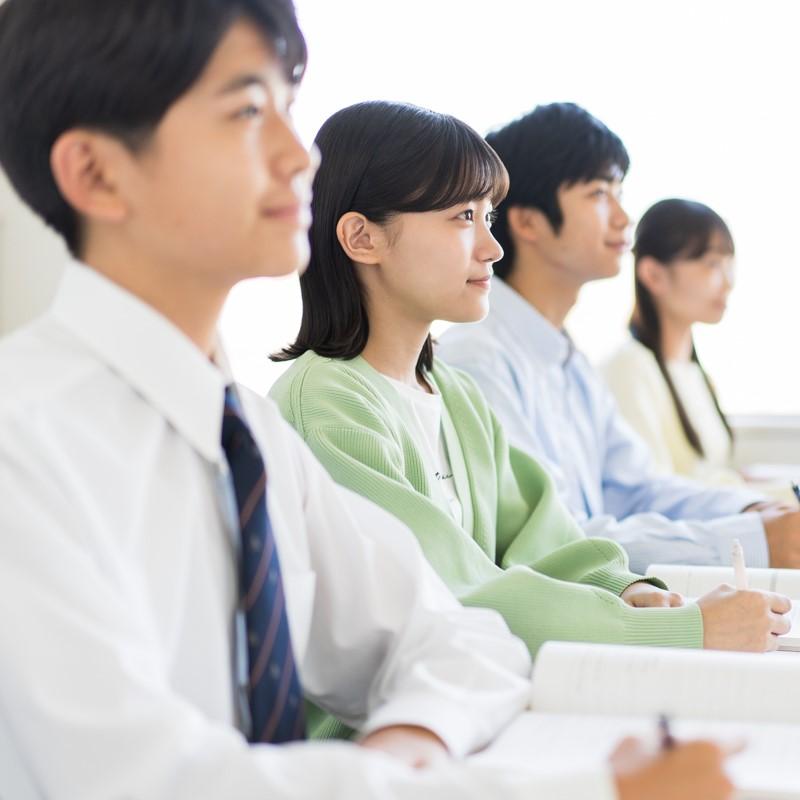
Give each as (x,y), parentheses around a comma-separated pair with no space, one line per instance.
(469,215)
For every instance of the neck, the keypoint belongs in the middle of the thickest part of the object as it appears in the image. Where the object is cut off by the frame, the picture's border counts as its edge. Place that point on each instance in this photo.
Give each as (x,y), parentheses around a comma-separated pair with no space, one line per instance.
(550,291)
(394,345)
(676,339)
(184,299)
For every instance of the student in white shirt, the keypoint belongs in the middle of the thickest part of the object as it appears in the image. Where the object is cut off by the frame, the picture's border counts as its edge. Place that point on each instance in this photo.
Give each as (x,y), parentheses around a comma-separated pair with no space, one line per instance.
(684,262)
(156,138)
(561,226)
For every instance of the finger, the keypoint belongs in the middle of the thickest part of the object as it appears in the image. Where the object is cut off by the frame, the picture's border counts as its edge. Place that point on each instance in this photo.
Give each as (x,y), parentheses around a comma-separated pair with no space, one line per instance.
(653,600)
(779,603)
(772,643)
(629,747)
(779,624)
(675,599)
(732,747)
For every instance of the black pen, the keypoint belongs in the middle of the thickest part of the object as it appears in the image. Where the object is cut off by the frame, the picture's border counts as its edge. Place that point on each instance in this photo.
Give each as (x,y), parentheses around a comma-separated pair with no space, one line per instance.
(667,739)
(796,490)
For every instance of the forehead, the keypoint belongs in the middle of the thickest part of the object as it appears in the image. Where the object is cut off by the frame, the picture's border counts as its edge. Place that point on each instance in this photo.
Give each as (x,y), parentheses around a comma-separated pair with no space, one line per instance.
(243,51)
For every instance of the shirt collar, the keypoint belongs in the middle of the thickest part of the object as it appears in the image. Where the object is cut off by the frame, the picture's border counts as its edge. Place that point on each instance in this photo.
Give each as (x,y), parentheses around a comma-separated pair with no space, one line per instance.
(148,352)
(537,334)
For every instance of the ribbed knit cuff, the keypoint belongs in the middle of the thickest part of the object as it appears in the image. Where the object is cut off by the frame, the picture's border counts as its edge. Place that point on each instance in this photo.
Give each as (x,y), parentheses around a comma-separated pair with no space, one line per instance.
(665,627)
(618,580)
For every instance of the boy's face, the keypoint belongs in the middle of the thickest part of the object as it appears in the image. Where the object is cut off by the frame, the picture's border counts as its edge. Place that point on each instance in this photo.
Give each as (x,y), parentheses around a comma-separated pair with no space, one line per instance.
(222,191)
(594,233)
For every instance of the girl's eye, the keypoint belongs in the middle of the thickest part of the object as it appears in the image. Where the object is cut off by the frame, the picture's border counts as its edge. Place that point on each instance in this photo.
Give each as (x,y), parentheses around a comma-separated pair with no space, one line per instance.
(249,112)
(491,218)
(468,214)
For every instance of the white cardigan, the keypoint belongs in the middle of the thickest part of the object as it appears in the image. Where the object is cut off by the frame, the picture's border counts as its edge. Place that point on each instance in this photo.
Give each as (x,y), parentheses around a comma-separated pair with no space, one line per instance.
(644,399)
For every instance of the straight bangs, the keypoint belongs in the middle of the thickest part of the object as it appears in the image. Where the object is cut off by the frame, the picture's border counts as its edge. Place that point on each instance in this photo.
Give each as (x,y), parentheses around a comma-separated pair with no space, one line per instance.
(716,238)
(457,167)
(677,229)
(442,163)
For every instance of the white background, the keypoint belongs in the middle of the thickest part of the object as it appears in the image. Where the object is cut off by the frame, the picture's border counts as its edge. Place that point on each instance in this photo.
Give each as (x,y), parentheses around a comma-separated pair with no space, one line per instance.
(703,93)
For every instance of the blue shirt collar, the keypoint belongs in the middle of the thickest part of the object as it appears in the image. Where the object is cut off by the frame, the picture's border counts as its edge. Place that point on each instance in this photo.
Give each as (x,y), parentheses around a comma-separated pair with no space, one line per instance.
(537,334)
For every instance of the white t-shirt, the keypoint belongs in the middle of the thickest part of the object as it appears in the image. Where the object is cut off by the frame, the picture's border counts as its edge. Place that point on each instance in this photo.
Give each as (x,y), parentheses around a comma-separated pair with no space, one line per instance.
(425,411)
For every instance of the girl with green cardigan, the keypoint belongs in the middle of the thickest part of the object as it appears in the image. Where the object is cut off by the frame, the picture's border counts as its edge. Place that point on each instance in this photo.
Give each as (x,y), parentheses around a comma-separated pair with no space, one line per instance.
(402,209)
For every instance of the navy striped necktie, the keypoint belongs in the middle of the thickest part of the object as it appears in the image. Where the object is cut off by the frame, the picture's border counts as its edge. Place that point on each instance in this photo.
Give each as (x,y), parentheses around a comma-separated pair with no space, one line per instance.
(275,696)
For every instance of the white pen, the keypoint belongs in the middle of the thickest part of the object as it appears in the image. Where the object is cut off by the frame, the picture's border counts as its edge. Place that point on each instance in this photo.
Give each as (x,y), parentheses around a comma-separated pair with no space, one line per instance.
(739,568)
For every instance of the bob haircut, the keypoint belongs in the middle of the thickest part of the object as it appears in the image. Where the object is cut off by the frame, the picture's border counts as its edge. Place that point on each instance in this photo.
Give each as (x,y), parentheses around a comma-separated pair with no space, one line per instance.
(115,66)
(381,159)
(669,231)
(553,146)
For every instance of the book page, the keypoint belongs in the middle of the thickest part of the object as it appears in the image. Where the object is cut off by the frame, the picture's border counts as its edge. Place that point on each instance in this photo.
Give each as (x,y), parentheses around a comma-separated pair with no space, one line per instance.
(569,677)
(562,742)
(692,581)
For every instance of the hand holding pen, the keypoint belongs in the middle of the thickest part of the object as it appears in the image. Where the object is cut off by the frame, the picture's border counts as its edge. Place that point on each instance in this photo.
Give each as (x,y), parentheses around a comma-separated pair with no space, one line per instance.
(678,771)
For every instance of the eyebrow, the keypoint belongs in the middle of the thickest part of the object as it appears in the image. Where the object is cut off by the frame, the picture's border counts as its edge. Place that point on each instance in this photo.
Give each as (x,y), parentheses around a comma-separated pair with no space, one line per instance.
(242,82)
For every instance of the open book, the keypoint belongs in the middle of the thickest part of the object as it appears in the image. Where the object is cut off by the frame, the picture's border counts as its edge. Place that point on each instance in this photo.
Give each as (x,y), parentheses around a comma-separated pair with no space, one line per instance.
(587,697)
(692,582)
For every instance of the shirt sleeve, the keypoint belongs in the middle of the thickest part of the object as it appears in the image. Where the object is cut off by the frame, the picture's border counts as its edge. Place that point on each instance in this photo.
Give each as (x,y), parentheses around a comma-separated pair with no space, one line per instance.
(654,539)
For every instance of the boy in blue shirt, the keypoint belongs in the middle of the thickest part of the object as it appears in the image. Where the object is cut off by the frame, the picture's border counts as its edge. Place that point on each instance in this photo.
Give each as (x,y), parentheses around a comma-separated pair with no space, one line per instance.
(561,226)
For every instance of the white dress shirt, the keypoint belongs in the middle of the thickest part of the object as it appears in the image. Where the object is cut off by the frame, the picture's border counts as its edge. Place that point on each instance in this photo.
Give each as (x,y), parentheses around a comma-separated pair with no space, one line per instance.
(118,589)
(555,406)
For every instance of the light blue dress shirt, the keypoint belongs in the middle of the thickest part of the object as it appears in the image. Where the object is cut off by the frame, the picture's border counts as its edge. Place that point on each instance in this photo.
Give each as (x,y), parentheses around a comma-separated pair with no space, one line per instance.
(555,406)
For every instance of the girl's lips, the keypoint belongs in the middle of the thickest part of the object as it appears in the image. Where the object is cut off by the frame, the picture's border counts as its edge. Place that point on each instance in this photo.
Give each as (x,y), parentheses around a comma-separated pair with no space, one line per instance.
(482,283)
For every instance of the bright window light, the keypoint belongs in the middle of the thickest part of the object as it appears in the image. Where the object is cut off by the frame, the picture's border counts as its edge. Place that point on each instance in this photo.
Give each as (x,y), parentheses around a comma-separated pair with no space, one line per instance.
(704,94)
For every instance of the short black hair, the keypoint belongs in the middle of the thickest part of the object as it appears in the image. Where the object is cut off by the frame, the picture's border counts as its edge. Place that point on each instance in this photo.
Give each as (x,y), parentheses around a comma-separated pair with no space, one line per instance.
(381,159)
(115,66)
(553,146)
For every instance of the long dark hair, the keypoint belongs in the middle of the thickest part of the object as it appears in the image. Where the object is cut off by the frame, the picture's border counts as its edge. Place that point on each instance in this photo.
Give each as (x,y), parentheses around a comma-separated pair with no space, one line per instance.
(670,230)
(380,159)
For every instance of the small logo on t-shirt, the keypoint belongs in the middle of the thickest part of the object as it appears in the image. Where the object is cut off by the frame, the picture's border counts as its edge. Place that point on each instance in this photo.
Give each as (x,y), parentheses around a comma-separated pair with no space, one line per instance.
(440,477)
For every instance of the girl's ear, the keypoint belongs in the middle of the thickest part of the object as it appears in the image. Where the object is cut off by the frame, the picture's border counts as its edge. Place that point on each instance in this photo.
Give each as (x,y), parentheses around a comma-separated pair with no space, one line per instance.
(361,240)
(653,275)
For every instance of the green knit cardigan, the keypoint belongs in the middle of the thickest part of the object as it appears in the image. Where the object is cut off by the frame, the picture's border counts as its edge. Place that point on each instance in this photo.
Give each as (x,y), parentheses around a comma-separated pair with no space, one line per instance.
(518,550)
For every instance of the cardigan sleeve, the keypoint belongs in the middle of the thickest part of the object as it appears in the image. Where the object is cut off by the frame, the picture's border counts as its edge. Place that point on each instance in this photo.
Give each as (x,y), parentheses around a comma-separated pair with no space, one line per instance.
(548,598)
(529,510)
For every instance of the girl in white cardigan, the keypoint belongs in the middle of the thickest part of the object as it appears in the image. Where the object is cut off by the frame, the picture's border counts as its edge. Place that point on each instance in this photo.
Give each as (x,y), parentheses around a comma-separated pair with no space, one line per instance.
(684,257)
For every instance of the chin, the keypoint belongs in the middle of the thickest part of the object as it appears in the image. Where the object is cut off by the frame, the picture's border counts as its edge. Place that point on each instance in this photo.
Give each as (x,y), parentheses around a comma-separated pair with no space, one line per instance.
(612,270)
(471,315)
(282,262)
